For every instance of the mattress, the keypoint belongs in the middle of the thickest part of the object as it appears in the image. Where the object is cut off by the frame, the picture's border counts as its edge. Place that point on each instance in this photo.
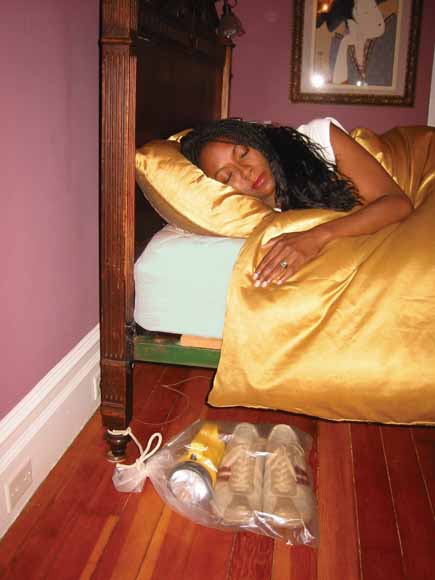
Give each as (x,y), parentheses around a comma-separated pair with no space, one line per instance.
(181,282)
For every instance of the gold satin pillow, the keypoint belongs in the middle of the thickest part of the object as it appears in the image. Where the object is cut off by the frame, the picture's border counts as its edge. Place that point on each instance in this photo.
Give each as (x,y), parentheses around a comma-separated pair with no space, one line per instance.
(185,197)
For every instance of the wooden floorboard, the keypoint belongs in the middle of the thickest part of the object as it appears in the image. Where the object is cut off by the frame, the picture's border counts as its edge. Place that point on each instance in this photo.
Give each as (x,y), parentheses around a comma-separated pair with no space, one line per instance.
(204,559)
(424,442)
(339,543)
(413,513)
(252,557)
(375,487)
(296,563)
(378,534)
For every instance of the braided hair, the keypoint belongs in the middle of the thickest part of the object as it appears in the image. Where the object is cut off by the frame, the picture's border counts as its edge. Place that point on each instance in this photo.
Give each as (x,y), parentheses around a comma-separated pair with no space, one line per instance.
(304,179)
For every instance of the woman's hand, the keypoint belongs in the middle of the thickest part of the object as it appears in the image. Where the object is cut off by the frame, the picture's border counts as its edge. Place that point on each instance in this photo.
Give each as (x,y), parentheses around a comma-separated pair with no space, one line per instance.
(287,254)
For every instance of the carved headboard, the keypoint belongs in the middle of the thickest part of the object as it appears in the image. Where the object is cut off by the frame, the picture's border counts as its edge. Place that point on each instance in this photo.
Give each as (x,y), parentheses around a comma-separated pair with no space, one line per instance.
(173,86)
(182,79)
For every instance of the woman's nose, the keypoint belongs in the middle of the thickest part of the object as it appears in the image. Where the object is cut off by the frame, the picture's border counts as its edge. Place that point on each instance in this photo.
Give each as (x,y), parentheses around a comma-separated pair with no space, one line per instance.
(246,171)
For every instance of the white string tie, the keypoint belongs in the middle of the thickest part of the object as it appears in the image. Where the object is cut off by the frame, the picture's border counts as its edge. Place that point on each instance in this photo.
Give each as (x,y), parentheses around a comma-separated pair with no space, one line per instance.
(144,454)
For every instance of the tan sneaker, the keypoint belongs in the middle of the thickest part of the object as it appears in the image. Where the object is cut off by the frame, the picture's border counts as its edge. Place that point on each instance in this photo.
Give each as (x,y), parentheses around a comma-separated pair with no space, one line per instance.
(239,486)
(287,496)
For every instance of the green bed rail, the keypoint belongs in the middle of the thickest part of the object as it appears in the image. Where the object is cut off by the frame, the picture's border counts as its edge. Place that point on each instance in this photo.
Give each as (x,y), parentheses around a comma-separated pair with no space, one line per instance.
(166,349)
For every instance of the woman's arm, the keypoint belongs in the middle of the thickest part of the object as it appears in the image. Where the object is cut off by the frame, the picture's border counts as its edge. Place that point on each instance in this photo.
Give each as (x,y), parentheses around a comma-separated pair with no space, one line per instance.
(384,203)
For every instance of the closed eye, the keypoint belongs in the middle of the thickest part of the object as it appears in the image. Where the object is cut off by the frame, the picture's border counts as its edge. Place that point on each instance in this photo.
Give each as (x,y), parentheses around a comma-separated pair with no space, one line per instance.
(243,151)
(225,178)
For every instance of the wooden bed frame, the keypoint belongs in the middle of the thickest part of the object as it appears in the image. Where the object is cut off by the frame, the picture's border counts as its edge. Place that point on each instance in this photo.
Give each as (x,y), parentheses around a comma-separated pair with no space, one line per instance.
(163,69)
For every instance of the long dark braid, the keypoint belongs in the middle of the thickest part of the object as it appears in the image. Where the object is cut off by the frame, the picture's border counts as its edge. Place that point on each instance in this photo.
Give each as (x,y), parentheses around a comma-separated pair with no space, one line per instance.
(304,179)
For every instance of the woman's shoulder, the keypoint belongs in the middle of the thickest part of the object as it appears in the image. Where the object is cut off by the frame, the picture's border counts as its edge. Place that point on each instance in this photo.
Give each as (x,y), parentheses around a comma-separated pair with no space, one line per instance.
(319,127)
(318,131)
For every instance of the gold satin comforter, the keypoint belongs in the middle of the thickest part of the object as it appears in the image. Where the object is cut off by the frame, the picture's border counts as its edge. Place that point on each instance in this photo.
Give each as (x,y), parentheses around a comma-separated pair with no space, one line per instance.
(352,335)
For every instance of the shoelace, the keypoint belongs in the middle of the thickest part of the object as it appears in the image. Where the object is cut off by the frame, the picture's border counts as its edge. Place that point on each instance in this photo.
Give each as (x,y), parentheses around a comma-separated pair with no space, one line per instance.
(282,471)
(242,463)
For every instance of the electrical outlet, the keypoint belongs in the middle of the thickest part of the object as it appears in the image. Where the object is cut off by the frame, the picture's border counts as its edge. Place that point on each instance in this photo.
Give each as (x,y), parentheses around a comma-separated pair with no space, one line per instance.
(18,485)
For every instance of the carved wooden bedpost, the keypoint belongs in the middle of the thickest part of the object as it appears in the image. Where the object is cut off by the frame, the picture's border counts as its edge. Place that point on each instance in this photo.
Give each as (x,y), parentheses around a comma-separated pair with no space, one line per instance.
(118,88)
(183,77)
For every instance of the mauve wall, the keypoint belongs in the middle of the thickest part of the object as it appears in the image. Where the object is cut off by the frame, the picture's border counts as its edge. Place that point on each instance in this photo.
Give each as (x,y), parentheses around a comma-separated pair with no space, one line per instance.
(48,186)
(261,73)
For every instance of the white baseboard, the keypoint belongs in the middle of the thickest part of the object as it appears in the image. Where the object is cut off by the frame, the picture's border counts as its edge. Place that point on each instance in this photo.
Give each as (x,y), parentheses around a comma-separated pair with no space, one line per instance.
(43,424)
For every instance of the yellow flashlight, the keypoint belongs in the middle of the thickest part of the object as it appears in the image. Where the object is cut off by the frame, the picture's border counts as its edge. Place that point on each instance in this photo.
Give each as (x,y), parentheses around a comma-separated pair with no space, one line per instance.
(193,478)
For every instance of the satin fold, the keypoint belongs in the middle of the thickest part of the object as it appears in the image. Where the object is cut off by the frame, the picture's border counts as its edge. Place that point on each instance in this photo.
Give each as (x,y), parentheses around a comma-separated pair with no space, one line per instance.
(352,335)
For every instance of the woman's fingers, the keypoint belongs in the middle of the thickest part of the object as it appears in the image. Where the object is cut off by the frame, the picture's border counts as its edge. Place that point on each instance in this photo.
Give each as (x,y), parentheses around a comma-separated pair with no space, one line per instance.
(269,262)
(276,271)
(278,265)
(287,254)
(281,272)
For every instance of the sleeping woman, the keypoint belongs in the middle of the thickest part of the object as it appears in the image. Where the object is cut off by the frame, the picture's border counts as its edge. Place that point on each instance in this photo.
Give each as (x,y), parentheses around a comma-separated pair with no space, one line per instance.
(317,166)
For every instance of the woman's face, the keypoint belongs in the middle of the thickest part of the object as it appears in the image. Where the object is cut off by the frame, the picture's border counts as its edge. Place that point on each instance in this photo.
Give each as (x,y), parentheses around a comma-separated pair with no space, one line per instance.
(242,167)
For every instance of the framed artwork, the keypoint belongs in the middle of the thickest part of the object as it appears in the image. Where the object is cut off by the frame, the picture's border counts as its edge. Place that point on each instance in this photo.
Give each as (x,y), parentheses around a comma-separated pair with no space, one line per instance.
(355,51)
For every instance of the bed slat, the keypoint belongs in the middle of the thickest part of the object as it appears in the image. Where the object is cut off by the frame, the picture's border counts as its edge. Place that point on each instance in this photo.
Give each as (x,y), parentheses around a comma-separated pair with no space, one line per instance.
(166,348)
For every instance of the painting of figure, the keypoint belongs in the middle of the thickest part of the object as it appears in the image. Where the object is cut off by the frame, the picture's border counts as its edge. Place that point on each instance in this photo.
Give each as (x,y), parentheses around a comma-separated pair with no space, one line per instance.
(355,51)
(355,42)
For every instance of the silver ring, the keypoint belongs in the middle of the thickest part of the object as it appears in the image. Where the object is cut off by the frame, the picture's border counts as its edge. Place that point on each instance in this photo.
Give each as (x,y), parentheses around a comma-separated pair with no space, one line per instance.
(283,264)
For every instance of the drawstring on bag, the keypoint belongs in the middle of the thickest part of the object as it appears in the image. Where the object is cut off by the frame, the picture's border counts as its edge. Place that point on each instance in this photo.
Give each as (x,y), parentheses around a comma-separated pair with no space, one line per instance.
(131,478)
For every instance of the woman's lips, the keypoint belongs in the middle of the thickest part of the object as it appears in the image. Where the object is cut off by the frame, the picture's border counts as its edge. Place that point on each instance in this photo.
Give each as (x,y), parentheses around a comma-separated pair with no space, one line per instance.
(259,181)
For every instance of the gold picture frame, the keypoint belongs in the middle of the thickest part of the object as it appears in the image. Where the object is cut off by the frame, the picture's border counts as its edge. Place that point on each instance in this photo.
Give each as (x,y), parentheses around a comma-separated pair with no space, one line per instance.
(355,51)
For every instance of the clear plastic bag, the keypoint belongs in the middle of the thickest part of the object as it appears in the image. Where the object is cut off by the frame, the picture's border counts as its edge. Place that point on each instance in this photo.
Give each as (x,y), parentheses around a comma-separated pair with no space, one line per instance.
(235,476)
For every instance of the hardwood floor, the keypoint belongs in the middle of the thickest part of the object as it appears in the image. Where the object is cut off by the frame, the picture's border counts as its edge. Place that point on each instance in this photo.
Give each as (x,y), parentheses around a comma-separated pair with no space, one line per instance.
(375,490)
